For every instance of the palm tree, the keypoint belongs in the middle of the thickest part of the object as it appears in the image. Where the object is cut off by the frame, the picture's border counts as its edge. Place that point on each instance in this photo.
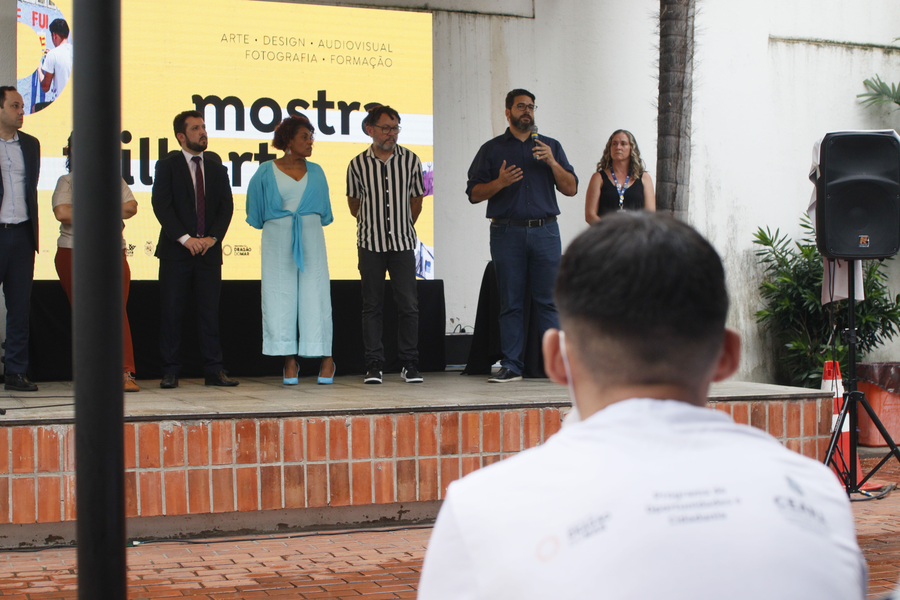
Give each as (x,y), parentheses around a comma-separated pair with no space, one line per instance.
(676,58)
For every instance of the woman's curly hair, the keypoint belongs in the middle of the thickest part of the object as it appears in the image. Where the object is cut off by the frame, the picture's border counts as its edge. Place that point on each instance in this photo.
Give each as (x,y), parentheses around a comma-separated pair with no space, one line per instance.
(636,167)
(287,129)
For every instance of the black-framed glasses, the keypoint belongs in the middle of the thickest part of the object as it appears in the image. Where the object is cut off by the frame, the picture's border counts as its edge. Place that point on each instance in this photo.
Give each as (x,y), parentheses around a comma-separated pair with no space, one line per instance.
(523,106)
(387,129)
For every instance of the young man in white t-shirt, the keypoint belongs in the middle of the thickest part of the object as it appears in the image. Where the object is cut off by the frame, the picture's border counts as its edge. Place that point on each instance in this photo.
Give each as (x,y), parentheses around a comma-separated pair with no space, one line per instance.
(57,65)
(651,495)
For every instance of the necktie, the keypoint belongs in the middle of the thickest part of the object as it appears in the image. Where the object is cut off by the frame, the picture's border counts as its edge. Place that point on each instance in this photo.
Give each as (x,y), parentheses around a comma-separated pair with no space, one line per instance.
(201,198)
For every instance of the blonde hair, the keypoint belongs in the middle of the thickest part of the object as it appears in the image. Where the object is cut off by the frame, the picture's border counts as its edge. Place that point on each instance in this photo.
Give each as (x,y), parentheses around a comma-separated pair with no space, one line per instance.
(636,166)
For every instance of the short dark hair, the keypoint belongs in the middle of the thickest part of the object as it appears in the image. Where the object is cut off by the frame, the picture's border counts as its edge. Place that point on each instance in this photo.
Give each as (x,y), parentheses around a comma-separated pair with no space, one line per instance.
(68,152)
(3,90)
(287,129)
(180,122)
(511,97)
(59,27)
(645,300)
(375,113)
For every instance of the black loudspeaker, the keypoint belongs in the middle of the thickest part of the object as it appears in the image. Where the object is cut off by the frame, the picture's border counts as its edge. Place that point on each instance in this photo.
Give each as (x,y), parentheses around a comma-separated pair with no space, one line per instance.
(858,195)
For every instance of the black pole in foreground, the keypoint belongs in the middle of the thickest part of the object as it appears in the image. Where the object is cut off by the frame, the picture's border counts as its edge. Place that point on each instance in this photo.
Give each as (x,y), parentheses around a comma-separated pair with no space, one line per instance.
(850,390)
(97,304)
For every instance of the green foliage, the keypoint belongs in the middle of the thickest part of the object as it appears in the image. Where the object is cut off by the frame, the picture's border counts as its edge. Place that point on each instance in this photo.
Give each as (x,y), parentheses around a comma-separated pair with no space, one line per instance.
(881,92)
(804,330)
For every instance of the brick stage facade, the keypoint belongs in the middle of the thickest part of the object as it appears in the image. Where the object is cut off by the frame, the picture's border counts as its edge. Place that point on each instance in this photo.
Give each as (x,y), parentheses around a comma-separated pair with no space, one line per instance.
(257,464)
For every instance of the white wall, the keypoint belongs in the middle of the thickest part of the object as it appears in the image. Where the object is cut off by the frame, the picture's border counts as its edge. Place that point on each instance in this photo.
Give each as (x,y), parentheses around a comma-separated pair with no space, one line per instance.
(591,66)
(8,42)
(759,104)
(518,8)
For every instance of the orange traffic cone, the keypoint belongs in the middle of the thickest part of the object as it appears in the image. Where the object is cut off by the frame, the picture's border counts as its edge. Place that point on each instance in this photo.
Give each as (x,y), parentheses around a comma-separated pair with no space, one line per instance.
(831,381)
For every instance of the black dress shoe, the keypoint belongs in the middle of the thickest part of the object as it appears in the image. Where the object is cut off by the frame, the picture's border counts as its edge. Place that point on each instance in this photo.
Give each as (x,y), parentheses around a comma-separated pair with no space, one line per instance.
(19,383)
(221,379)
(169,381)
(504,375)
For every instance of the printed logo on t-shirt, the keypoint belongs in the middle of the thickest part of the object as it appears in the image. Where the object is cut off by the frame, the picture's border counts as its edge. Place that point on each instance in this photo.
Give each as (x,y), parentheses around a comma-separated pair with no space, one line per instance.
(548,548)
(699,505)
(801,513)
(587,528)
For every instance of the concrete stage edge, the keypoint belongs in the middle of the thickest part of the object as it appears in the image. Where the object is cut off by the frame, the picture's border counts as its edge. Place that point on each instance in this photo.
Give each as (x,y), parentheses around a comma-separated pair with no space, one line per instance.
(268,457)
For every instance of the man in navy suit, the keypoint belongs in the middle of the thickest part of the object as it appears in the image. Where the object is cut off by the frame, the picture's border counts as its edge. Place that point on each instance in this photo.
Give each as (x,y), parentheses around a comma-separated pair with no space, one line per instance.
(20,167)
(193,204)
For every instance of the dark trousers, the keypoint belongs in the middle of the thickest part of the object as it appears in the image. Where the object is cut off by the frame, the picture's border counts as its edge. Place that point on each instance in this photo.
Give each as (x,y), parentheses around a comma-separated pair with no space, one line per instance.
(402,267)
(16,275)
(177,279)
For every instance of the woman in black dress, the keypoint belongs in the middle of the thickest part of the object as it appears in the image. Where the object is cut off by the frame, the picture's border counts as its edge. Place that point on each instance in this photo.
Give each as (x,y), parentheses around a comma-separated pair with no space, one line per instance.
(620,183)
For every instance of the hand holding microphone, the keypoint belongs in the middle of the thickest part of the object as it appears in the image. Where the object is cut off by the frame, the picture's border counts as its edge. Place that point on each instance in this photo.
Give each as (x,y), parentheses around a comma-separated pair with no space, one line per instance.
(541,151)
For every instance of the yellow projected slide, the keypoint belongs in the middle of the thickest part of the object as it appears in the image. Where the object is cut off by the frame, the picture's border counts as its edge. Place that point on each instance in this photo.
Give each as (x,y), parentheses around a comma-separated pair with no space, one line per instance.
(247,64)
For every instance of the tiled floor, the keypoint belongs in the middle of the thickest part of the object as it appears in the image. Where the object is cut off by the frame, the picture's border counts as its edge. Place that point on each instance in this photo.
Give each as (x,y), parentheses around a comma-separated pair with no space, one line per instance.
(878,530)
(366,565)
(363,565)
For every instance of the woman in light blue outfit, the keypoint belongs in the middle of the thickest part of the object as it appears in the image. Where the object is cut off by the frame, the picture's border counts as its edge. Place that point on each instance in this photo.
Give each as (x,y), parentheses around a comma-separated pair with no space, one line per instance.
(288,199)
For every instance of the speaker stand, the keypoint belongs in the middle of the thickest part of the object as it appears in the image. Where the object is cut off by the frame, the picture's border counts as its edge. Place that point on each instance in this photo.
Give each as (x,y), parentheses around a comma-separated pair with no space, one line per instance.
(845,467)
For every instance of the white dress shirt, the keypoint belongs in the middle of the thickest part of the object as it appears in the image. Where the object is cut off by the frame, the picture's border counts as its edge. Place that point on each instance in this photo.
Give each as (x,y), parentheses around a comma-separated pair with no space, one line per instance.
(12,168)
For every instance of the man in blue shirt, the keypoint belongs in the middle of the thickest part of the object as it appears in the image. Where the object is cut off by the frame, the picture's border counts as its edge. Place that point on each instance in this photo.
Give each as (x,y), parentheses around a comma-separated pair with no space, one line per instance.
(518,173)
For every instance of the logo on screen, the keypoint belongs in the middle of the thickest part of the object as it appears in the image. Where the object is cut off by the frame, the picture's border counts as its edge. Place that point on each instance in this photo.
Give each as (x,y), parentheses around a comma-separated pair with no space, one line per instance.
(129,250)
(241,250)
(148,248)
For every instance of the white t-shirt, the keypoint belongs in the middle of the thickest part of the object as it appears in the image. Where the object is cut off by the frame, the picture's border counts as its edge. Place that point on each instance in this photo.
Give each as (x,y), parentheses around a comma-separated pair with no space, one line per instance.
(59,62)
(63,195)
(647,499)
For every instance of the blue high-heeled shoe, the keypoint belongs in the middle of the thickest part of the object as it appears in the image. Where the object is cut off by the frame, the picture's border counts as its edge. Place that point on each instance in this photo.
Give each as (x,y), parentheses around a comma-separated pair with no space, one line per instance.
(327,380)
(290,380)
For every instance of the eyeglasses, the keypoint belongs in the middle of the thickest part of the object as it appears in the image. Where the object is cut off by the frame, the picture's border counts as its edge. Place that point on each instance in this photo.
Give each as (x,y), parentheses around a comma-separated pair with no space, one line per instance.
(387,129)
(522,106)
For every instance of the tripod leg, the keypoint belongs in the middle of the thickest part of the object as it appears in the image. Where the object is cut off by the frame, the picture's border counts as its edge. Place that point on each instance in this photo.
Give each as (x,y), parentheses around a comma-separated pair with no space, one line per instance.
(881,429)
(842,471)
(879,425)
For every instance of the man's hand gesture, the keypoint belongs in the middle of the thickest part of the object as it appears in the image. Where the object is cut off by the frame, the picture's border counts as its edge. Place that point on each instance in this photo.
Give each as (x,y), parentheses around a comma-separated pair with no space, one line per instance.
(509,175)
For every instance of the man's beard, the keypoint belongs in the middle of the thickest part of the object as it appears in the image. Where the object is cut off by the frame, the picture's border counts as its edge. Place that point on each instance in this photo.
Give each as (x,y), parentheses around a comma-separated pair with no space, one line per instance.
(387,145)
(518,124)
(197,146)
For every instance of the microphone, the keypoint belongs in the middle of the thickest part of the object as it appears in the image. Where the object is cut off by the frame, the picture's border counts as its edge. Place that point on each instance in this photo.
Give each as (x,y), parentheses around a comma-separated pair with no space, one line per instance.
(534,137)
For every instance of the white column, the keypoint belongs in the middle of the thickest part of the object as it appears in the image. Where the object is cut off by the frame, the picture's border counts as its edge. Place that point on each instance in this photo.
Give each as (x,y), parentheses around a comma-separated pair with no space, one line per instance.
(7,42)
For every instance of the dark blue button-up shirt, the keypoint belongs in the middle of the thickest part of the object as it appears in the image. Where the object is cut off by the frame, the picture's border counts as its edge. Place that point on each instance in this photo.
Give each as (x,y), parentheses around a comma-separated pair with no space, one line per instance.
(533,196)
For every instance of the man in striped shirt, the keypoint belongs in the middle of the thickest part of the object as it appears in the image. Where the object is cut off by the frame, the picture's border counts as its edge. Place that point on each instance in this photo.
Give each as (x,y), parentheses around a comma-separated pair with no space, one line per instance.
(384,191)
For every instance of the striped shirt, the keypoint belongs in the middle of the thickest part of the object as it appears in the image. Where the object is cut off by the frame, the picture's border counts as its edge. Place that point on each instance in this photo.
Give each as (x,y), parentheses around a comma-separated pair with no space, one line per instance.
(384,222)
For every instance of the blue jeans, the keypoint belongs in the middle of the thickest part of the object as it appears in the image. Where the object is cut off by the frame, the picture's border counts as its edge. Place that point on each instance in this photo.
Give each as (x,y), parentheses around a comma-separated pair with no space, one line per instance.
(520,255)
